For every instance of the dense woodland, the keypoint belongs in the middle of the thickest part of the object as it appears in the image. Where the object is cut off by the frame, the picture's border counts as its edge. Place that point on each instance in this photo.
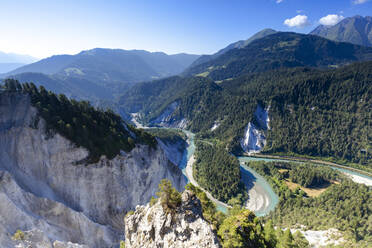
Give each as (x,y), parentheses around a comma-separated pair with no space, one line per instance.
(169,135)
(322,113)
(346,206)
(310,176)
(101,132)
(217,171)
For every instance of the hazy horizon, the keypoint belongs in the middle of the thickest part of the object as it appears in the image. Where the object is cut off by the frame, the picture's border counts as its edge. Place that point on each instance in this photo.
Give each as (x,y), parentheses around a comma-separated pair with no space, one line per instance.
(47,28)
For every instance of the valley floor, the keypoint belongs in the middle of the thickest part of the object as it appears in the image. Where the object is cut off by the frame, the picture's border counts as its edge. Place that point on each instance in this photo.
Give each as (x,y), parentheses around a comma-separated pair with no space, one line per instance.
(261,199)
(189,175)
(357,175)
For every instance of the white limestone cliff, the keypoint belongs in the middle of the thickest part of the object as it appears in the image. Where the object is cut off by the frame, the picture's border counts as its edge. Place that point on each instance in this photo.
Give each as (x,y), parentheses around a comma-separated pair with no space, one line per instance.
(150,226)
(167,119)
(254,138)
(42,187)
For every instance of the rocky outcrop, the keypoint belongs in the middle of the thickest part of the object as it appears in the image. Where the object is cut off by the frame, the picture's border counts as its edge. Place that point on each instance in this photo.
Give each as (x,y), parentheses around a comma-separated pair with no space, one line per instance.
(36,238)
(216,124)
(168,118)
(149,226)
(43,187)
(254,138)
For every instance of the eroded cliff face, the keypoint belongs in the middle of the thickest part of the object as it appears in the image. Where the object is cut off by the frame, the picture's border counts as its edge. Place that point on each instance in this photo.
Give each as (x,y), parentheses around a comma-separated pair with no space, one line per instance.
(168,118)
(42,186)
(254,138)
(37,239)
(150,226)
(175,151)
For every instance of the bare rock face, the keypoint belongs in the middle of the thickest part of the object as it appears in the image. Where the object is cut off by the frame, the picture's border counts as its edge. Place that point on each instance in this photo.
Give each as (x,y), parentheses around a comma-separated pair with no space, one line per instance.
(168,118)
(254,138)
(42,187)
(149,226)
(37,239)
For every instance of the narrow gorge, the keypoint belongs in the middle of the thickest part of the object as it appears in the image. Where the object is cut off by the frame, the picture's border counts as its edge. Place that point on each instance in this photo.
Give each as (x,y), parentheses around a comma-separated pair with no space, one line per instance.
(44,187)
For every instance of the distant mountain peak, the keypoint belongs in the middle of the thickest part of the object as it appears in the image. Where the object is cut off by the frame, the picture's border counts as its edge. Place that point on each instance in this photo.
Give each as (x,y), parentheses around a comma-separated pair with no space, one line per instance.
(99,73)
(356,30)
(238,44)
(118,64)
(282,49)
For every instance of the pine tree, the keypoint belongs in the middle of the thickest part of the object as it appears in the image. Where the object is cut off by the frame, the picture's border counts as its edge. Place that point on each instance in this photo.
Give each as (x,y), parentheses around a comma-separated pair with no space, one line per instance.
(270,235)
(286,240)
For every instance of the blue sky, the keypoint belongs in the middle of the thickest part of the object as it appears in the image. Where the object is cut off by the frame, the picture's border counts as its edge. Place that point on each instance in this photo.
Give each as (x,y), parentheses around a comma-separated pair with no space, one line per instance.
(45,27)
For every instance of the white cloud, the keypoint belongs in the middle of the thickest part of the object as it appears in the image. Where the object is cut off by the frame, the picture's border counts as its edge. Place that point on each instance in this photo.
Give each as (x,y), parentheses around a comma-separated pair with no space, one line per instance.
(279,1)
(298,21)
(359,1)
(331,20)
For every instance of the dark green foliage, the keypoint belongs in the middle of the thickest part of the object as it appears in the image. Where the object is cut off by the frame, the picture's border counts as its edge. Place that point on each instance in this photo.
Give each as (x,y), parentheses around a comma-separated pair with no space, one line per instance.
(270,234)
(312,112)
(217,171)
(152,98)
(169,197)
(242,230)
(101,132)
(282,50)
(76,87)
(300,240)
(346,206)
(307,175)
(310,176)
(168,135)
(286,240)
(12,85)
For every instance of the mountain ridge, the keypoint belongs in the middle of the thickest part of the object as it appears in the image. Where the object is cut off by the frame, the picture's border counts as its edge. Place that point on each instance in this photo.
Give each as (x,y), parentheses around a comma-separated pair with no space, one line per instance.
(238,44)
(56,64)
(99,74)
(356,30)
(279,50)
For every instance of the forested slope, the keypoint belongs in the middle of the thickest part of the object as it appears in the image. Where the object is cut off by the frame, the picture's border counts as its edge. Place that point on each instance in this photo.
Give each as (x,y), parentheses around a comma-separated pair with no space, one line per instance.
(345,205)
(312,111)
(101,132)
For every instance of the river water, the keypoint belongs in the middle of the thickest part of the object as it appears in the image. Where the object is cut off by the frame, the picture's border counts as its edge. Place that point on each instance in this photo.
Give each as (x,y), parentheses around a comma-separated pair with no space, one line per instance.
(262,198)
